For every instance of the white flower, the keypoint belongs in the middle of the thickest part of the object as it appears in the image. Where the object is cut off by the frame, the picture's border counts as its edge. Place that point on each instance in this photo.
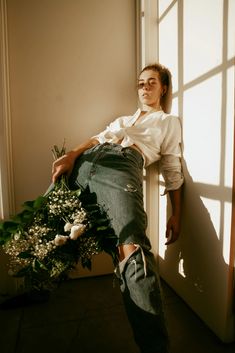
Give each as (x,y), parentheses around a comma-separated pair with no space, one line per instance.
(60,239)
(16,236)
(67,227)
(76,231)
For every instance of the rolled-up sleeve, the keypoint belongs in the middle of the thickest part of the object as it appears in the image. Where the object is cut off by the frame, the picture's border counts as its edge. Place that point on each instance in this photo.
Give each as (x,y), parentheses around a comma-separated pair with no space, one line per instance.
(171,169)
(171,154)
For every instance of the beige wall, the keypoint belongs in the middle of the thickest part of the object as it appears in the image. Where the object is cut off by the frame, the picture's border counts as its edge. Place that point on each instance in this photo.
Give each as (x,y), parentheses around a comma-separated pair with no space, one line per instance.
(72,70)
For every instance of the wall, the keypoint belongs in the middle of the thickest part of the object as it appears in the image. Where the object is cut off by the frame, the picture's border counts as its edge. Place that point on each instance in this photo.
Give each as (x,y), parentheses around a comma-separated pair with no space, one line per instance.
(196,41)
(72,69)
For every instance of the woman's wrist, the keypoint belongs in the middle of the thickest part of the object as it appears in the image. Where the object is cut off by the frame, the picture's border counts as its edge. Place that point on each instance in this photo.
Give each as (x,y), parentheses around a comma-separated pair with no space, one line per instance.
(72,155)
(75,153)
(175,196)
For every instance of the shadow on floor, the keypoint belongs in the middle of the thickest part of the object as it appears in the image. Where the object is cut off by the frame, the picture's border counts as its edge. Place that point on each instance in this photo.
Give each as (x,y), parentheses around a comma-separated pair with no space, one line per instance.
(87,315)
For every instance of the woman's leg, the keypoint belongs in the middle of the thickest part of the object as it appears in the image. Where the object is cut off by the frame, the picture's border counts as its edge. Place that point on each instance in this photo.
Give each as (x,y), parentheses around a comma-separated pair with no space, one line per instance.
(125,251)
(142,298)
(115,177)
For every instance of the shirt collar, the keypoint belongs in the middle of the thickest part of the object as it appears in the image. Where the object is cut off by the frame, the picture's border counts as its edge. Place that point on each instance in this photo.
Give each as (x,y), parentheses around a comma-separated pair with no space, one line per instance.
(147,112)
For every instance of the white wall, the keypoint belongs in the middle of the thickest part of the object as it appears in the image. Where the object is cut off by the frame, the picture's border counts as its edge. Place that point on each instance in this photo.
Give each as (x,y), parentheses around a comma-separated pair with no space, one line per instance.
(196,41)
(72,69)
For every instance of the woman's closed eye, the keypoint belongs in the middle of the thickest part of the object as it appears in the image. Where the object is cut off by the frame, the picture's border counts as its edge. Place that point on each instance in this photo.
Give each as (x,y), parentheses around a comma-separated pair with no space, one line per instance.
(151,82)
(140,85)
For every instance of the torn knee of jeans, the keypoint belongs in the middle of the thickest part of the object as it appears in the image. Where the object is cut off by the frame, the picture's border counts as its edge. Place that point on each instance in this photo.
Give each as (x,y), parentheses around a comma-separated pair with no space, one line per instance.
(122,264)
(125,250)
(130,188)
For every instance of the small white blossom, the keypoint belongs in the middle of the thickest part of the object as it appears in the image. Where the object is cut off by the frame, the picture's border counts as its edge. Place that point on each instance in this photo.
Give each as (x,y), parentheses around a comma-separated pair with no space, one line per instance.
(60,239)
(67,227)
(77,231)
(17,236)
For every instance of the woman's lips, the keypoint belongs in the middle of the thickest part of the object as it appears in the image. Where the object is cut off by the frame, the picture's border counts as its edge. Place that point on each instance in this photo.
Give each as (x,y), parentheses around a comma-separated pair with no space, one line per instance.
(145,95)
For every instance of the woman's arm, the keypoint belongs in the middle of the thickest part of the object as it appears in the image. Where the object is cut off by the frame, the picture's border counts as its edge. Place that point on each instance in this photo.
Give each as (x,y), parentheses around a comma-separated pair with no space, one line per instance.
(173,224)
(171,169)
(65,163)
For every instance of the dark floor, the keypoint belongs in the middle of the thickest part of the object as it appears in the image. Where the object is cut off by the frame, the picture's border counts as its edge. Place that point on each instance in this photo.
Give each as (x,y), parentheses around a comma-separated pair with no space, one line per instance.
(87,315)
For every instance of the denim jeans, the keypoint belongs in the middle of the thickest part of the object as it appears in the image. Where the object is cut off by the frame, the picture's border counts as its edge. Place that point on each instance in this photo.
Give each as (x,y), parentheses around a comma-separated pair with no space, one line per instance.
(114,175)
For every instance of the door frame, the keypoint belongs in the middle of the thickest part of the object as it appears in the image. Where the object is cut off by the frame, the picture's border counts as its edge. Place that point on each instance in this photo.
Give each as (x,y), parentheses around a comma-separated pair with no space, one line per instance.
(7,203)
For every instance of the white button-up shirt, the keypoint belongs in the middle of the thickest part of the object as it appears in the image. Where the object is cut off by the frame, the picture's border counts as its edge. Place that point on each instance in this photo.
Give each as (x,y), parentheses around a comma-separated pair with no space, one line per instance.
(157,135)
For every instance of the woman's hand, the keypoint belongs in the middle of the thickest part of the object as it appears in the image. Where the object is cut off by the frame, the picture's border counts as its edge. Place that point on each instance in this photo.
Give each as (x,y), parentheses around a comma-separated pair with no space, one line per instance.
(172,229)
(63,165)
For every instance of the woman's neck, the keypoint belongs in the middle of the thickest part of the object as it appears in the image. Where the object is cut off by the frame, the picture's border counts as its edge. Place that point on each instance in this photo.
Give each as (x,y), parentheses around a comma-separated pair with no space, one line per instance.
(147,108)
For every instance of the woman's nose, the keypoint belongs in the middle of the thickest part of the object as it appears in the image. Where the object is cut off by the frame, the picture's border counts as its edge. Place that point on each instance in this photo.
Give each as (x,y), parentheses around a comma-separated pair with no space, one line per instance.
(146,85)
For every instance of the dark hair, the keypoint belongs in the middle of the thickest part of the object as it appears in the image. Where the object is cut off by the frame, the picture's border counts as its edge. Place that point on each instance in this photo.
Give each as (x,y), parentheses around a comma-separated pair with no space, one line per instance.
(163,72)
(165,79)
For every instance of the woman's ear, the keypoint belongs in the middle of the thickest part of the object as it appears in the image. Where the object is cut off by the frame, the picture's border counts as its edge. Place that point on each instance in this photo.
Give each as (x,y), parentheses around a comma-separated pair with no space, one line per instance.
(166,99)
(164,90)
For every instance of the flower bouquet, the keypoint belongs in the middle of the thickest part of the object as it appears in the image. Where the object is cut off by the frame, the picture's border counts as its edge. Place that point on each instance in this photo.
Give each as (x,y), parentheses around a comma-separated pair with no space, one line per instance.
(53,233)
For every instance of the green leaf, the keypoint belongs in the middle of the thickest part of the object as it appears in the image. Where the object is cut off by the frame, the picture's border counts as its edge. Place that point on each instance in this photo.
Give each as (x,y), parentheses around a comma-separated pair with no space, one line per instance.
(40,265)
(78,192)
(23,272)
(38,203)
(25,255)
(28,205)
(17,219)
(24,217)
(4,236)
(101,228)
(10,227)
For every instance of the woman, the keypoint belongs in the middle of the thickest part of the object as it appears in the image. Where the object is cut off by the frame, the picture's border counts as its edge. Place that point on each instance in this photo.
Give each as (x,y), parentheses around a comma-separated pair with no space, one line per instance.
(110,165)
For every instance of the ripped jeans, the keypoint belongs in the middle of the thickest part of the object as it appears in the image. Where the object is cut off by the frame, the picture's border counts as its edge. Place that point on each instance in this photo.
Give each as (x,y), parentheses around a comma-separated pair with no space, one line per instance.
(114,176)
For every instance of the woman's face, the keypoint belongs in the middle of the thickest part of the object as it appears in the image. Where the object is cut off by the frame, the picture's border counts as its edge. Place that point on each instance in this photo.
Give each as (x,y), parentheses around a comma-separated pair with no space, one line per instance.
(150,89)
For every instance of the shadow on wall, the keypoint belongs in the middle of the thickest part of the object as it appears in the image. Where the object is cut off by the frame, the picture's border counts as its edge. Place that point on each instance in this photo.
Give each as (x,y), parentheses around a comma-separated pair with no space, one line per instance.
(195,262)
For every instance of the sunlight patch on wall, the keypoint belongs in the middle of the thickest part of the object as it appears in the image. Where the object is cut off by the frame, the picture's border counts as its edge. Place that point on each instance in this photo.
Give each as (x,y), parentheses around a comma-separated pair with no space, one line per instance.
(181,268)
(214,210)
(175,106)
(202,39)
(169,53)
(163,5)
(231,29)
(162,220)
(202,130)
(228,155)
(227,231)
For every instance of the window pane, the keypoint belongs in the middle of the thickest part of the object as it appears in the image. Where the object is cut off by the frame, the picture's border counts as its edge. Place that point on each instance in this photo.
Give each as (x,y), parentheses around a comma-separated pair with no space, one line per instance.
(168,44)
(202,130)
(163,5)
(202,37)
